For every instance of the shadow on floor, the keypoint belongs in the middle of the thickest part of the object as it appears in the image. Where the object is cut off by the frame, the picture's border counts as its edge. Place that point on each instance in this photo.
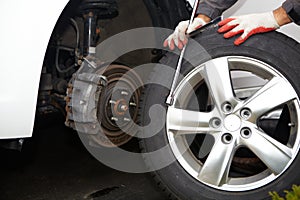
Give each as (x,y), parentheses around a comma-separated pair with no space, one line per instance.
(55,165)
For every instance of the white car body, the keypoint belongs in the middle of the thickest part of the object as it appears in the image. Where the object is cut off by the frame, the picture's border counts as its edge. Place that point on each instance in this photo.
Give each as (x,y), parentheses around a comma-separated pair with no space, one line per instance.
(26,27)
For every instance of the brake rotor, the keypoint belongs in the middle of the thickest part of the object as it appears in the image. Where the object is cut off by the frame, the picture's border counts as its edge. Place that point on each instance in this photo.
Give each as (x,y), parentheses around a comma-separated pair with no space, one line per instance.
(119,106)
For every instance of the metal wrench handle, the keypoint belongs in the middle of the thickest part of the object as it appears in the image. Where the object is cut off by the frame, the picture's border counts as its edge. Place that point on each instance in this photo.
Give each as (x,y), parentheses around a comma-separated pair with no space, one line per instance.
(170,98)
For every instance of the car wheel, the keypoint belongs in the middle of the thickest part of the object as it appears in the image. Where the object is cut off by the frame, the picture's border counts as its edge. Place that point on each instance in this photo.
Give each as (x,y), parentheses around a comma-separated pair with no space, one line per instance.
(233,129)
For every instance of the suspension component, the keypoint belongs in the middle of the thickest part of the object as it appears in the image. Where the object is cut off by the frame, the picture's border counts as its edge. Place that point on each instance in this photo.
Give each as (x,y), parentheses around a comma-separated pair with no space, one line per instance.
(92,10)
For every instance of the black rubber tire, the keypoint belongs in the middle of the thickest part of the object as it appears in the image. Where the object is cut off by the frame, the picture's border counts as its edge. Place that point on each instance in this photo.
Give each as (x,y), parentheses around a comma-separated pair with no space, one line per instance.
(273,48)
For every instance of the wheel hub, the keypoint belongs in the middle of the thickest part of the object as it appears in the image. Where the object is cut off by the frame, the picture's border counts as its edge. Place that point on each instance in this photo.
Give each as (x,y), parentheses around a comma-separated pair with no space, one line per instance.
(120,107)
(232,122)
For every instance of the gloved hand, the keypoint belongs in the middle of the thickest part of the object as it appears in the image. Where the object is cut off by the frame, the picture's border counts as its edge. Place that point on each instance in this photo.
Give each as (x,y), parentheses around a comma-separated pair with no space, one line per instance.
(247,25)
(178,37)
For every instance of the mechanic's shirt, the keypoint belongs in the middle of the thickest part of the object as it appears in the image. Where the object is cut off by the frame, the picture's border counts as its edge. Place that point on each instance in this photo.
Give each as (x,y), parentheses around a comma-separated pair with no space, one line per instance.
(214,8)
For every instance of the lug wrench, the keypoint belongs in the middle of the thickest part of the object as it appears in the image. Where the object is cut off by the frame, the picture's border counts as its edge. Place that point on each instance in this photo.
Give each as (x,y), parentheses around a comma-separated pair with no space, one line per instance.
(170,98)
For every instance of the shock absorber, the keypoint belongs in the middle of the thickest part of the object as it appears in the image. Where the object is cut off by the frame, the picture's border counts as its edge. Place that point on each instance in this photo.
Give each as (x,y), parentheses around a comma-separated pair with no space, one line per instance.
(90,26)
(92,10)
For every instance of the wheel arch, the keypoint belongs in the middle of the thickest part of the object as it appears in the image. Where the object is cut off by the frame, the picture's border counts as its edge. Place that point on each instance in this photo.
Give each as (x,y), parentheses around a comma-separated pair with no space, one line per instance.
(25,36)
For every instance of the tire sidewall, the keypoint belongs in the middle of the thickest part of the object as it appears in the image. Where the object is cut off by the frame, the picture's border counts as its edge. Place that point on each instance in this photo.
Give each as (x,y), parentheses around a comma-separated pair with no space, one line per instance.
(272,48)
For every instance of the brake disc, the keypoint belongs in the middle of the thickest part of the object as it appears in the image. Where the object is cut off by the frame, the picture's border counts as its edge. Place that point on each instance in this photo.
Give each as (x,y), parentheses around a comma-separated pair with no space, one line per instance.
(102,102)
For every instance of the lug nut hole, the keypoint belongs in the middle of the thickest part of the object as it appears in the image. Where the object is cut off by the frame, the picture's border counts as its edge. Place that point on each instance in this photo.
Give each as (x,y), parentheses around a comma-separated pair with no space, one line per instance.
(215,122)
(245,113)
(246,133)
(227,138)
(227,108)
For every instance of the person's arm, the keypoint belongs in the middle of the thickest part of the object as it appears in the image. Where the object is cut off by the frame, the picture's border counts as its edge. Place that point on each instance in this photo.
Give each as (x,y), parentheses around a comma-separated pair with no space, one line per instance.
(292,8)
(281,16)
(248,25)
(214,8)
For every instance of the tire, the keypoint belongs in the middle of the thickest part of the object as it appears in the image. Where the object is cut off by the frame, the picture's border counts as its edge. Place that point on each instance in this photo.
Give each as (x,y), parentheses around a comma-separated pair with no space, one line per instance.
(250,137)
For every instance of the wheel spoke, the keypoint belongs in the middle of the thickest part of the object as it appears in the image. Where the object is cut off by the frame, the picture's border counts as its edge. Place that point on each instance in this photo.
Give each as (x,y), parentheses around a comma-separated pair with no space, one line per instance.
(274,93)
(274,154)
(188,122)
(216,167)
(217,76)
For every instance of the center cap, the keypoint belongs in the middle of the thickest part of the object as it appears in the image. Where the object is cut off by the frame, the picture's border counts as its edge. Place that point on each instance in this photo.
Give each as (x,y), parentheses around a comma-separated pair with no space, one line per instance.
(232,122)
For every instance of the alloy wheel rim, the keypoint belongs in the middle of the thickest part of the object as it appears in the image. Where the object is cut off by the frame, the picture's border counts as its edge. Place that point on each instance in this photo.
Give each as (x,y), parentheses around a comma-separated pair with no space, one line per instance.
(232,122)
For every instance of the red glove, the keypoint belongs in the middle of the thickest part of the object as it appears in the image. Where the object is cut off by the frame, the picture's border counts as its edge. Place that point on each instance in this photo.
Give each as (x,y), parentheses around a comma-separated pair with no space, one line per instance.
(247,25)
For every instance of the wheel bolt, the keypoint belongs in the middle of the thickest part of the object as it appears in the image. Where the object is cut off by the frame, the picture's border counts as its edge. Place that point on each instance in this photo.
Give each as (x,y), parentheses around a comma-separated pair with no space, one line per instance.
(126,119)
(132,104)
(114,119)
(227,108)
(215,122)
(112,102)
(227,138)
(124,93)
(245,113)
(246,133)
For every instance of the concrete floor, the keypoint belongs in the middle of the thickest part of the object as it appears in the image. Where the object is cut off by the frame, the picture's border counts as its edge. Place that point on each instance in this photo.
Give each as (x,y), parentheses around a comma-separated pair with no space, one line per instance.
(54,165)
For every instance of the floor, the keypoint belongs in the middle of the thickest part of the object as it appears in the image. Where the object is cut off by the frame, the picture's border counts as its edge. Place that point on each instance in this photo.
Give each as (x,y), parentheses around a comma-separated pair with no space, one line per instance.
(55,165)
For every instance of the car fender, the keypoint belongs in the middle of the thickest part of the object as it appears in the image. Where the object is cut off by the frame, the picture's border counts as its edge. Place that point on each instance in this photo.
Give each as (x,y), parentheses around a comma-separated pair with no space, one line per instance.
(26,27)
